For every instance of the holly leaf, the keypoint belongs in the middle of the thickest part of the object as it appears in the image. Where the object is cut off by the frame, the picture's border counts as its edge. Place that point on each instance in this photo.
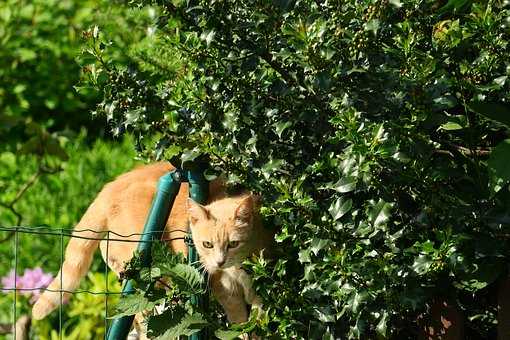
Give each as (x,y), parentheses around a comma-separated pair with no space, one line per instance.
(340,207)
(422,264)
(280,127)
(345,184)
(382,325)
(380,213)
(317,244)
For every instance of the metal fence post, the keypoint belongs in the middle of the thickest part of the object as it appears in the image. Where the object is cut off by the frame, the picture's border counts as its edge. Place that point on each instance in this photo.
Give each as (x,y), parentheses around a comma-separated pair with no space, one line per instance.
(167,190)
(199,192)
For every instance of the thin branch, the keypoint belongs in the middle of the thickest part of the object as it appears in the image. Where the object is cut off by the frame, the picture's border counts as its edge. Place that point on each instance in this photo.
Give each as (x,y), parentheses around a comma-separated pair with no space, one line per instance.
(11,208)
(25,187)
(477,152)
(41,170)
(219,157)
(266,56)
(458,149)
(8,237)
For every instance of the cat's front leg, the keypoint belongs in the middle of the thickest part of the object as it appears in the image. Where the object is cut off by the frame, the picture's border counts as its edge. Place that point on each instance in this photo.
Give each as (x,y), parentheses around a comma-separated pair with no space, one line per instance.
(250,296)
(230,295)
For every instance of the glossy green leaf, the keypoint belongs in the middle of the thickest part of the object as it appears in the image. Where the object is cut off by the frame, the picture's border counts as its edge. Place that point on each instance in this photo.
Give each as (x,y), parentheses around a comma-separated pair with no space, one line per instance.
(380,213)
(282,126)
(345,184)
(449,126)
(318,244)
(422,264)
(340,207)
(382,325)
(453,6)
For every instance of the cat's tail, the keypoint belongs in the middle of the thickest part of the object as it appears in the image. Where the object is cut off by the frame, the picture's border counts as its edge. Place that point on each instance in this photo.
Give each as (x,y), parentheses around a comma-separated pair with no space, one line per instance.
(78,256)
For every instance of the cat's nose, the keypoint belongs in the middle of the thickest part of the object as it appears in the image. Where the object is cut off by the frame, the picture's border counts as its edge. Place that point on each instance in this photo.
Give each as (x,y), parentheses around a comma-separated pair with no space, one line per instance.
(221,262)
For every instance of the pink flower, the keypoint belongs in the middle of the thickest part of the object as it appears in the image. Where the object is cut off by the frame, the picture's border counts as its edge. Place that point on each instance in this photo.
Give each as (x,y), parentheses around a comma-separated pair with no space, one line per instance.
(31,283)
(10,281)
(34,279)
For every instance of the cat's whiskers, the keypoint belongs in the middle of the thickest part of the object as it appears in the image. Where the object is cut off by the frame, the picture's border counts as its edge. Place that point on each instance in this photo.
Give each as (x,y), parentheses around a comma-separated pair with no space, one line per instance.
(202,267)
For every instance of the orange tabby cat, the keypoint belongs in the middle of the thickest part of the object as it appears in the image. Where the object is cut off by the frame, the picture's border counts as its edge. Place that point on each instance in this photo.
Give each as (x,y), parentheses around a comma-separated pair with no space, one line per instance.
(225,232)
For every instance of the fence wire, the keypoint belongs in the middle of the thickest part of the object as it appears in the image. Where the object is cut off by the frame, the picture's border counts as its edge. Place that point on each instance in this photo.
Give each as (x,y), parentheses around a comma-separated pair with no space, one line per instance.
(62,233)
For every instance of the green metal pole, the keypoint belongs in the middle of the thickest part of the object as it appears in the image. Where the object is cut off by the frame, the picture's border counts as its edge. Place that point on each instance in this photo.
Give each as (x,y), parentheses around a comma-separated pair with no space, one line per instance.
(199,192)
(168,188)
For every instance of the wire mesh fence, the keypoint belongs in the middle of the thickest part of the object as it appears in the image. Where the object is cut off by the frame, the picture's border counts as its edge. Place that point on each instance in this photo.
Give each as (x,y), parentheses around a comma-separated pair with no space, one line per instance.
(59,237)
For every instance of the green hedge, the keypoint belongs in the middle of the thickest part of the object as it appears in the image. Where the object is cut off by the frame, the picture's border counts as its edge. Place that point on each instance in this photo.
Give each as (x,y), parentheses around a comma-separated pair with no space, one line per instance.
(377,132)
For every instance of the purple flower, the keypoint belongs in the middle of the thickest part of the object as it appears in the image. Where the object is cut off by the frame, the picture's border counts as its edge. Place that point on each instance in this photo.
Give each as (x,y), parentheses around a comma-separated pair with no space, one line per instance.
(10,281)
(31,283)
(34,279)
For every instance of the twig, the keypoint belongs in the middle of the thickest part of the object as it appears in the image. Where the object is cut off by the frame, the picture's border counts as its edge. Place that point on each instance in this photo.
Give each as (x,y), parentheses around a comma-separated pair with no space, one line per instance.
(266,56)
(11,208)
(219,157)
(41,170)
(474,152)
(25,187)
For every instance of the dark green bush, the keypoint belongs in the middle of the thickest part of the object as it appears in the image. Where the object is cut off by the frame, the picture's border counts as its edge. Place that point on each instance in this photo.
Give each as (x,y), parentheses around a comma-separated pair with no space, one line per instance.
(377,132)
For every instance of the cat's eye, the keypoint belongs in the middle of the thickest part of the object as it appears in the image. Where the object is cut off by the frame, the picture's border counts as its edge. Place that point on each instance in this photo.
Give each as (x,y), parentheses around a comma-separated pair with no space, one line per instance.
(207,244)
(233,244)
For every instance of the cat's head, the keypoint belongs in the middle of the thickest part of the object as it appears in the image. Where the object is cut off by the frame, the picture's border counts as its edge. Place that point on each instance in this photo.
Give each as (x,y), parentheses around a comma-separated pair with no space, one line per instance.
(222,231)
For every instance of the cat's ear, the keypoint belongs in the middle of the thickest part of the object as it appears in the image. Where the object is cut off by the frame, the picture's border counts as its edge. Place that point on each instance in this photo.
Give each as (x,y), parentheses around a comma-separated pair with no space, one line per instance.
(197,211)
(244,211)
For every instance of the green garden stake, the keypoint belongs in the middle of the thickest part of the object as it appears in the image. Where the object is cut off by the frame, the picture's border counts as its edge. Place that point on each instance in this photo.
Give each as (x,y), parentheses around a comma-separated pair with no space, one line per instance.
(198,191)
(168,188)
